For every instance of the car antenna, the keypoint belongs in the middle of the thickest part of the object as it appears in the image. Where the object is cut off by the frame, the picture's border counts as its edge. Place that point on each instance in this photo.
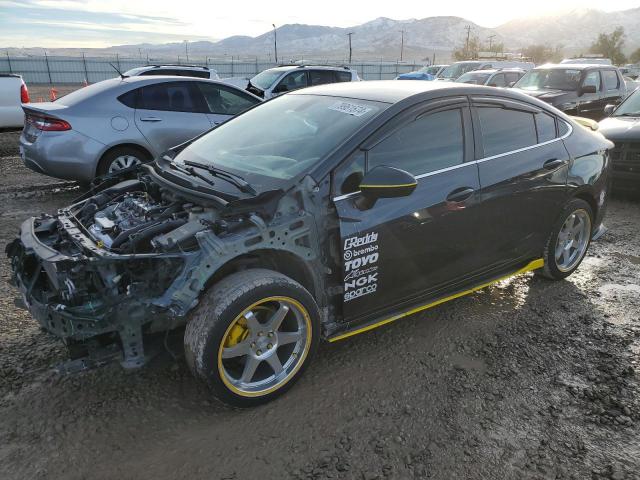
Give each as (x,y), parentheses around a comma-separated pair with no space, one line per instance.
(119,72)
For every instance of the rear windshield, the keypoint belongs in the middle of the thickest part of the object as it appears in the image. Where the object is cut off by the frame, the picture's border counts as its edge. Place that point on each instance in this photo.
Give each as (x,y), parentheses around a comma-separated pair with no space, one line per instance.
(83,93)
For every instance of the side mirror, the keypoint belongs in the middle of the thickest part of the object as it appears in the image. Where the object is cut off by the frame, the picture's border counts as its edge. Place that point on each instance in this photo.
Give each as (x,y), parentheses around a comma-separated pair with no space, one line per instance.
(587,89)
(510,84)
(385,182)
(281,88)
(608,110)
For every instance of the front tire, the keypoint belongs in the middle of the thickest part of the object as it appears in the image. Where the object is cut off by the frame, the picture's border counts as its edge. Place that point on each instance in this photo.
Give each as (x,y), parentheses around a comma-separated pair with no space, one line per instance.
(569,241)
(252,336)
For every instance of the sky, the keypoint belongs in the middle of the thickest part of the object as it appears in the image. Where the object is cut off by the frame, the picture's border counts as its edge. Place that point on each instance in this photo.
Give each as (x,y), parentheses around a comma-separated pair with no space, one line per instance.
(93,23)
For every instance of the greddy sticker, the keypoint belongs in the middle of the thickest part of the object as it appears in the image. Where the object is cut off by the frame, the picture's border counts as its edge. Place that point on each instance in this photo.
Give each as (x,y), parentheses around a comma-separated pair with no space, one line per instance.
(361,272)
(350,108)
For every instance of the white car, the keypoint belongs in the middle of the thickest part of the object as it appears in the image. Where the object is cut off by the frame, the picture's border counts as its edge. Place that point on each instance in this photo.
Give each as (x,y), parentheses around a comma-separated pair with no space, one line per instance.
(197,71)
(276,81)
(13,93)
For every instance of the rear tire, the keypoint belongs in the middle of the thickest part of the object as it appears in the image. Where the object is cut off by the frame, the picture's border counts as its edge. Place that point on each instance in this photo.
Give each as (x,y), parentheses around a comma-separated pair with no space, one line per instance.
(119,158)
(569,241)
(252,336)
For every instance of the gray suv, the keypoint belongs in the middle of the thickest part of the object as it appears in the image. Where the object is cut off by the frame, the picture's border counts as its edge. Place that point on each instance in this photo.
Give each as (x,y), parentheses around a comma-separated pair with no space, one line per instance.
(121,122)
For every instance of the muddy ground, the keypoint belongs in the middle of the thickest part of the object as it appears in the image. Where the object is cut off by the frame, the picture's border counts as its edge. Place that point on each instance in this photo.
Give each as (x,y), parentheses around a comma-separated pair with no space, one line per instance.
(528,379)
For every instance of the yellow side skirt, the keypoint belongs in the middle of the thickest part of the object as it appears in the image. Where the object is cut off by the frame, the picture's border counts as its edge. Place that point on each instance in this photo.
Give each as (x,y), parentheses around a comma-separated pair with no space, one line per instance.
(534,265)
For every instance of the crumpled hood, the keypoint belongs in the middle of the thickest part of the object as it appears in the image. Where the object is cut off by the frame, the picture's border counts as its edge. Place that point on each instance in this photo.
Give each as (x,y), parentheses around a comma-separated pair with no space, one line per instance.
(621,128)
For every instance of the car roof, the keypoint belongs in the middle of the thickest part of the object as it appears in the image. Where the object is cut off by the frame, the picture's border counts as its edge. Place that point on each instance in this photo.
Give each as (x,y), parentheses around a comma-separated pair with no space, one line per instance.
(573,66)
(390,91)
(288,68)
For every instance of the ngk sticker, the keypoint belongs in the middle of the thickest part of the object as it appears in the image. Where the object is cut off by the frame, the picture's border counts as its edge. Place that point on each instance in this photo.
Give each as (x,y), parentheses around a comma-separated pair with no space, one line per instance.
(361,272)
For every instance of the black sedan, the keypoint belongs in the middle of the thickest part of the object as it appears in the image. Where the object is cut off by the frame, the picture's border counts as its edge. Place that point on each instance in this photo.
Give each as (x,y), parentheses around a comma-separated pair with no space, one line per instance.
(320,214)
(622,127)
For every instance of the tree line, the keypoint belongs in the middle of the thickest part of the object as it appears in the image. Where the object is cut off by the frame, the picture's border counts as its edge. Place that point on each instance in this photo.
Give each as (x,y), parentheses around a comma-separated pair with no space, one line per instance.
(609,45)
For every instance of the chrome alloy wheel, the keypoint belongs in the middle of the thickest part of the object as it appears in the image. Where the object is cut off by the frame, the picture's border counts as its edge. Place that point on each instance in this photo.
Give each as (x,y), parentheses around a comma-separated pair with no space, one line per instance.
(264,346)
(573,240)
(122,162)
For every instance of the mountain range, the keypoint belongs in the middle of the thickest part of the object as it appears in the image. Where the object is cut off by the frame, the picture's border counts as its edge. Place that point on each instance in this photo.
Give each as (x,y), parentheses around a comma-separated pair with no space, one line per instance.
(573,30)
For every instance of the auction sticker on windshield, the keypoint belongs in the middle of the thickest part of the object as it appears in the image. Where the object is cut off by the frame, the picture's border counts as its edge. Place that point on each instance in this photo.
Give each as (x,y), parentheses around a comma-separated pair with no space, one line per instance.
(350,108)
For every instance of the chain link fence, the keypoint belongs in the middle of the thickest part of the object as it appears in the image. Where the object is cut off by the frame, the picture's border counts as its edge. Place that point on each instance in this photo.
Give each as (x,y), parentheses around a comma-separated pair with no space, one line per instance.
(69,70)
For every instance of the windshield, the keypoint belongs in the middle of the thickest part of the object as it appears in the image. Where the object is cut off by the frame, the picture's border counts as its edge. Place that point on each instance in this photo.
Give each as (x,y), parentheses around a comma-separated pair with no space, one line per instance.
(472,77)
(457,69)
(630,107)
(429,70)
(265,79)
(283,137)
(550,79)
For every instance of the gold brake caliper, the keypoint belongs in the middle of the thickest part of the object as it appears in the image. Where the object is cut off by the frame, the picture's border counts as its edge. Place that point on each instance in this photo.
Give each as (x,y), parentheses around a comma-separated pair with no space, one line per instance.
(237,333)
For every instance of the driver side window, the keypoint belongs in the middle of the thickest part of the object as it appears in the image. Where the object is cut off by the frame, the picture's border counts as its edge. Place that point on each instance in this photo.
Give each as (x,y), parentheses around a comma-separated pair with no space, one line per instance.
(592,78)
(293,81)
(429,143)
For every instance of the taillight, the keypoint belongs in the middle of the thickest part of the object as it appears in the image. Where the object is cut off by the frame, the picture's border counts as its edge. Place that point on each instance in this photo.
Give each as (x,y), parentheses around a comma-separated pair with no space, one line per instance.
(48,124)
(24,93)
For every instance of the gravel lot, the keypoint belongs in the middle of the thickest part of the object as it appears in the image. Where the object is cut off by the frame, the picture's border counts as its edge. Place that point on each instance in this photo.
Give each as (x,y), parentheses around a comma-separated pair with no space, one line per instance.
(524,380)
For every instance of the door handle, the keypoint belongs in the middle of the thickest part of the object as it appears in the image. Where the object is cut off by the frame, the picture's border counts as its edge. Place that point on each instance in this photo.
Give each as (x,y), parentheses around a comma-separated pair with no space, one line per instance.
(553,163)
(460,194)
(150,119)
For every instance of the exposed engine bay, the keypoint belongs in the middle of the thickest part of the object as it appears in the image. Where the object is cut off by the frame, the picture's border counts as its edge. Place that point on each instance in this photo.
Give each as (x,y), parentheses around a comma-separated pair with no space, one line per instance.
(134,258)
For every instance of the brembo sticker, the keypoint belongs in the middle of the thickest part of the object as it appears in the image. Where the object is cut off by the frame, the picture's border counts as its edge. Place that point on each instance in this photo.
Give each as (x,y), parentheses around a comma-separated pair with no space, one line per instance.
(350,108)
(360,259)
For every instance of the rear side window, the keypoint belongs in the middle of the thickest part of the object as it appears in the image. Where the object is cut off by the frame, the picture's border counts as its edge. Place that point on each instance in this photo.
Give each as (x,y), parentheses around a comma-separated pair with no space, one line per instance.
(611,80)
(225,101)
(171,96)
(505,130)
(343,76)
(430,143)
(320,77)
(129,98)
(546,126)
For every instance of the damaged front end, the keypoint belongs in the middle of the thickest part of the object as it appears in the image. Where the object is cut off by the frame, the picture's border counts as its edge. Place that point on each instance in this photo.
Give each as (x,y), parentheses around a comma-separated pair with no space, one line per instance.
(133,259)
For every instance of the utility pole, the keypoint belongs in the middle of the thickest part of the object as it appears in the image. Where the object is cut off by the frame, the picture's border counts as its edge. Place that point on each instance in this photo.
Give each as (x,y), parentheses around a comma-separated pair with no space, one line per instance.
(466,48)
(491,37)
(401,43)
(349,35)
(275,41)
(186,49)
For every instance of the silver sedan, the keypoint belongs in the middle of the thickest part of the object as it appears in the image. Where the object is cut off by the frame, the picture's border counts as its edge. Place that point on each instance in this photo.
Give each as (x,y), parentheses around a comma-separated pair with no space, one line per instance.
(118,123)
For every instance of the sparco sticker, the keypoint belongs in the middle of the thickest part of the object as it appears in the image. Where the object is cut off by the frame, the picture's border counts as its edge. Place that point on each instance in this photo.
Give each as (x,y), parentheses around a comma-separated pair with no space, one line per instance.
(360,265)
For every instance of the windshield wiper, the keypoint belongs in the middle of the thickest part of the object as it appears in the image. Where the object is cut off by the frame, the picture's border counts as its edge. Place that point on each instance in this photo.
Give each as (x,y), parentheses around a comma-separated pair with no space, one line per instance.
(191,172)
(232,178)
(628,114)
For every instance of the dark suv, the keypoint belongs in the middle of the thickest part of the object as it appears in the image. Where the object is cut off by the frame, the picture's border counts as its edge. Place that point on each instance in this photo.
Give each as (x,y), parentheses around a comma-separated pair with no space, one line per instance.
(580,90)
(321,214)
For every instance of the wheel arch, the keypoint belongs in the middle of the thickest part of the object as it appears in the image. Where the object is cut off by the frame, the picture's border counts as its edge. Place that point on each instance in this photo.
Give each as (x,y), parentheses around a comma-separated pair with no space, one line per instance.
(143,149)
(588,197)
(282,261)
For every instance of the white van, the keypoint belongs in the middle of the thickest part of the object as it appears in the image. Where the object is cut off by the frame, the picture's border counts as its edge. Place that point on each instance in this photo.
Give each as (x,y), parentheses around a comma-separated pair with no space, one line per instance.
(13,93)
(453,71)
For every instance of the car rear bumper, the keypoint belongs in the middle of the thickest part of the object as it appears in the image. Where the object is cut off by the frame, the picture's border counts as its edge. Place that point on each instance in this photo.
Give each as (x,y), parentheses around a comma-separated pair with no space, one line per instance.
(68,155)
